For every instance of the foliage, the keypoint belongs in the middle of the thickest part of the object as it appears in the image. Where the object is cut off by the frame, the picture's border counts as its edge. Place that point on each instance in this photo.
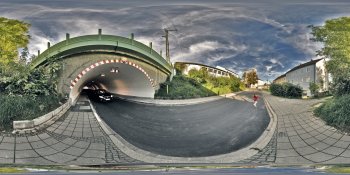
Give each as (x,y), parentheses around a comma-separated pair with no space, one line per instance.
(335,112)
(201,76)
(13,35)
(335,36)
(314,88)
(219,85)
(22,80)
(24,107)
(182,88)
(286,90)
(179,68)
(250,77)
(24,93)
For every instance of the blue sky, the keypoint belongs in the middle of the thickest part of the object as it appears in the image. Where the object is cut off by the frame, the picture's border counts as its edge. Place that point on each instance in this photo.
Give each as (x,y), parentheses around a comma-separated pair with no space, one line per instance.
(269,35)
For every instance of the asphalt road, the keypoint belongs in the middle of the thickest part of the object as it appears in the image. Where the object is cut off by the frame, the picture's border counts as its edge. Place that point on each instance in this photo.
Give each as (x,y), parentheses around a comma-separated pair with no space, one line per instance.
(205,129)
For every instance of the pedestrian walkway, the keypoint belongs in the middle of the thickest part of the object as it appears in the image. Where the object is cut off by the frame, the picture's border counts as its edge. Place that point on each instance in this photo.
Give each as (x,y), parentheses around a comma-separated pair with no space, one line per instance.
(76,139)
(303,138)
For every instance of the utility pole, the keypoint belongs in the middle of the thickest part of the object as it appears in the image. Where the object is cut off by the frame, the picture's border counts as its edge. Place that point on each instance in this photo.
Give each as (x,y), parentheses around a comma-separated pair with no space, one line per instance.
(166,36)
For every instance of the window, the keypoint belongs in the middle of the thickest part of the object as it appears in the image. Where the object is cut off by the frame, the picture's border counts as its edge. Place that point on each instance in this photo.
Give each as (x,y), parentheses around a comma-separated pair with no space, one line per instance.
(307,69)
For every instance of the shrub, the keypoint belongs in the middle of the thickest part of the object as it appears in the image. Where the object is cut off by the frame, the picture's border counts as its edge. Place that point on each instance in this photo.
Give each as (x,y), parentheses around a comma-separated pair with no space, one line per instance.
(314,88)
(182,88)
(24,107)
(335,112)
(276,89)
(286,90)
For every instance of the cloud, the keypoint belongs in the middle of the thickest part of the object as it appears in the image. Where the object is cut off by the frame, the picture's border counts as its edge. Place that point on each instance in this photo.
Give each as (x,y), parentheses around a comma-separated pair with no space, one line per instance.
(237,36)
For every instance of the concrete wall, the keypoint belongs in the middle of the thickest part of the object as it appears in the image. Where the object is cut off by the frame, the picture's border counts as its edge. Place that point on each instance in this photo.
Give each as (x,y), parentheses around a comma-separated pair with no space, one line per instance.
(129,80)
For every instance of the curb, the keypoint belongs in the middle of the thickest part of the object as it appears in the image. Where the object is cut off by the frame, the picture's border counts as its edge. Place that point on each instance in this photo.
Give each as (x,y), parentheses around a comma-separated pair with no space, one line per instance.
(150,157)
(30,126)
(184,102)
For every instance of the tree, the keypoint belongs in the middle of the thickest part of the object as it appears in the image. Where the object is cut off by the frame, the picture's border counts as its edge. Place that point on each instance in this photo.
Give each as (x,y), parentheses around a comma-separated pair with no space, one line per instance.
(252,78)
(335,36)
(13,35)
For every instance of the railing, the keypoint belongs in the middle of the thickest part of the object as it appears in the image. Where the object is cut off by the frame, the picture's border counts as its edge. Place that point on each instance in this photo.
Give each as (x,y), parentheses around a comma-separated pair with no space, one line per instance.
(110,40)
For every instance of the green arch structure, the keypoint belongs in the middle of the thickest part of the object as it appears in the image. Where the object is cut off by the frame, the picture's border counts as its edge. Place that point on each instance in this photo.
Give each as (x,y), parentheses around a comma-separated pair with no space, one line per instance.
(104,43)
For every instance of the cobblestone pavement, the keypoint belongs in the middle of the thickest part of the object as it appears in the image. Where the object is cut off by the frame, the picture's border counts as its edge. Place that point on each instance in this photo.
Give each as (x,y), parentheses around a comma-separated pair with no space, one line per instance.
(76,138)
(305,139)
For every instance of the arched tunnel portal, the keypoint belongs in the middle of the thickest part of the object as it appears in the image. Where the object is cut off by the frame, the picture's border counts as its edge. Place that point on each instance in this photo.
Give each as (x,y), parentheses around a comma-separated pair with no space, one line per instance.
(117,64)
(115,76)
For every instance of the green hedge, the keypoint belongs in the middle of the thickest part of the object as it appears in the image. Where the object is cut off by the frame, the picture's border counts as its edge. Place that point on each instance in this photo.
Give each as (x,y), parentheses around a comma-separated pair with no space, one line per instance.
(24,107)
(335,112)
(286,90)
(182,88)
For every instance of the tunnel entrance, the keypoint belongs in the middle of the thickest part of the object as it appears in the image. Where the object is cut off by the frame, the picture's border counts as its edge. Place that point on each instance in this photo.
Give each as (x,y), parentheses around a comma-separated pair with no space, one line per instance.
(115,76)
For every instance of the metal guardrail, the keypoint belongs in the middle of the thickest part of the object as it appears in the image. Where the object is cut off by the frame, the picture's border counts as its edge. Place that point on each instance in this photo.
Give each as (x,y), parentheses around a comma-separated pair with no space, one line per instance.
(108,40)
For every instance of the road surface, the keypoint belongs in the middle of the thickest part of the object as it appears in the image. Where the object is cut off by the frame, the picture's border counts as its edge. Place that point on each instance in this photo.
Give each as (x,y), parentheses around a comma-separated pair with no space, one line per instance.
(206,129)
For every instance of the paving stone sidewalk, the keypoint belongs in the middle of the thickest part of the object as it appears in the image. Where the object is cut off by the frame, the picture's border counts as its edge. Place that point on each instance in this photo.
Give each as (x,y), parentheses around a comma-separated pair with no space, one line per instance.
(76,138)
(303,138)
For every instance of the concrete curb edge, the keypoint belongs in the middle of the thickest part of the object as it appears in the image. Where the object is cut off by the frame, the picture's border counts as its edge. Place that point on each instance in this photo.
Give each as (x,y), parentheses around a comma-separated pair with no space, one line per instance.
(29,126)
(232,157)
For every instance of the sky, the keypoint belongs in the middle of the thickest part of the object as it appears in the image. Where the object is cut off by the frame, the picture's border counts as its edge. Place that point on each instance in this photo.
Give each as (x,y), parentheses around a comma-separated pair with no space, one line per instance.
(269,35)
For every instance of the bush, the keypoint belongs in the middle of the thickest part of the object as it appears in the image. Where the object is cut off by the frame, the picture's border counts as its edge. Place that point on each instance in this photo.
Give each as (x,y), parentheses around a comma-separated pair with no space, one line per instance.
(25,107)
(335,112)
(182,88)
(286,90)
(314,88)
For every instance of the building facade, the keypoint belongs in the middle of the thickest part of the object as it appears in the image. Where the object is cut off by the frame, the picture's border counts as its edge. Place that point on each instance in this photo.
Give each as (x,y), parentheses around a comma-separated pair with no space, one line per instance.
(281,79)
(313,71)
(217,71)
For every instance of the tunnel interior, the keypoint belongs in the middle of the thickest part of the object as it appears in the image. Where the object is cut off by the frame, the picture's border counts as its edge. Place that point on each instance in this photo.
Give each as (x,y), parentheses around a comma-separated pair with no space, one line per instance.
(117,78)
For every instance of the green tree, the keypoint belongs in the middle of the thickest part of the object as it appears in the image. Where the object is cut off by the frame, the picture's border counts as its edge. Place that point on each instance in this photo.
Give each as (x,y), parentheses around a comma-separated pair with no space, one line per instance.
(335,36)
(252,78)
(13,35)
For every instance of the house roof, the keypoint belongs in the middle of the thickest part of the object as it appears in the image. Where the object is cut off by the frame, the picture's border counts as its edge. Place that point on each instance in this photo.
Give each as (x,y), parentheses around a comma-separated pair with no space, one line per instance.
(281,76)
(227,70)
(304,65)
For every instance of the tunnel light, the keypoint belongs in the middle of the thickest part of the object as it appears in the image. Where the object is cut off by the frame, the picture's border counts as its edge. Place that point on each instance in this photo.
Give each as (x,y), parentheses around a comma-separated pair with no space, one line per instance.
(115,70)
(102,75)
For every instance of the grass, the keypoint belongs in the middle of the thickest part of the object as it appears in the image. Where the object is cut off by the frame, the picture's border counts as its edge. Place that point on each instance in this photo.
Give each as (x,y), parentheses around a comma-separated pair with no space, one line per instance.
(182,88)
(12,170)
(335,112)
(217,90)
(338,169)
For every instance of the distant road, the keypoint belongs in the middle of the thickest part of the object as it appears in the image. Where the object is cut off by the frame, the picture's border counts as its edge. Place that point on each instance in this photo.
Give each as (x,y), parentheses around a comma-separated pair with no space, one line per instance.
(206,129)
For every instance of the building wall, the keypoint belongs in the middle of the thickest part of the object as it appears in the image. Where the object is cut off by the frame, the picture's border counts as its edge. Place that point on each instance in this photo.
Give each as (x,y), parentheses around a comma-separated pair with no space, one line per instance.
(302,77)
(280,80)
(322,75)
(212,71)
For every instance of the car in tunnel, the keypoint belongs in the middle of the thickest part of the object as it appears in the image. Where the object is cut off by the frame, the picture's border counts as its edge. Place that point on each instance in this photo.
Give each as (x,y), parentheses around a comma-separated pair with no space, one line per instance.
(99,95)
